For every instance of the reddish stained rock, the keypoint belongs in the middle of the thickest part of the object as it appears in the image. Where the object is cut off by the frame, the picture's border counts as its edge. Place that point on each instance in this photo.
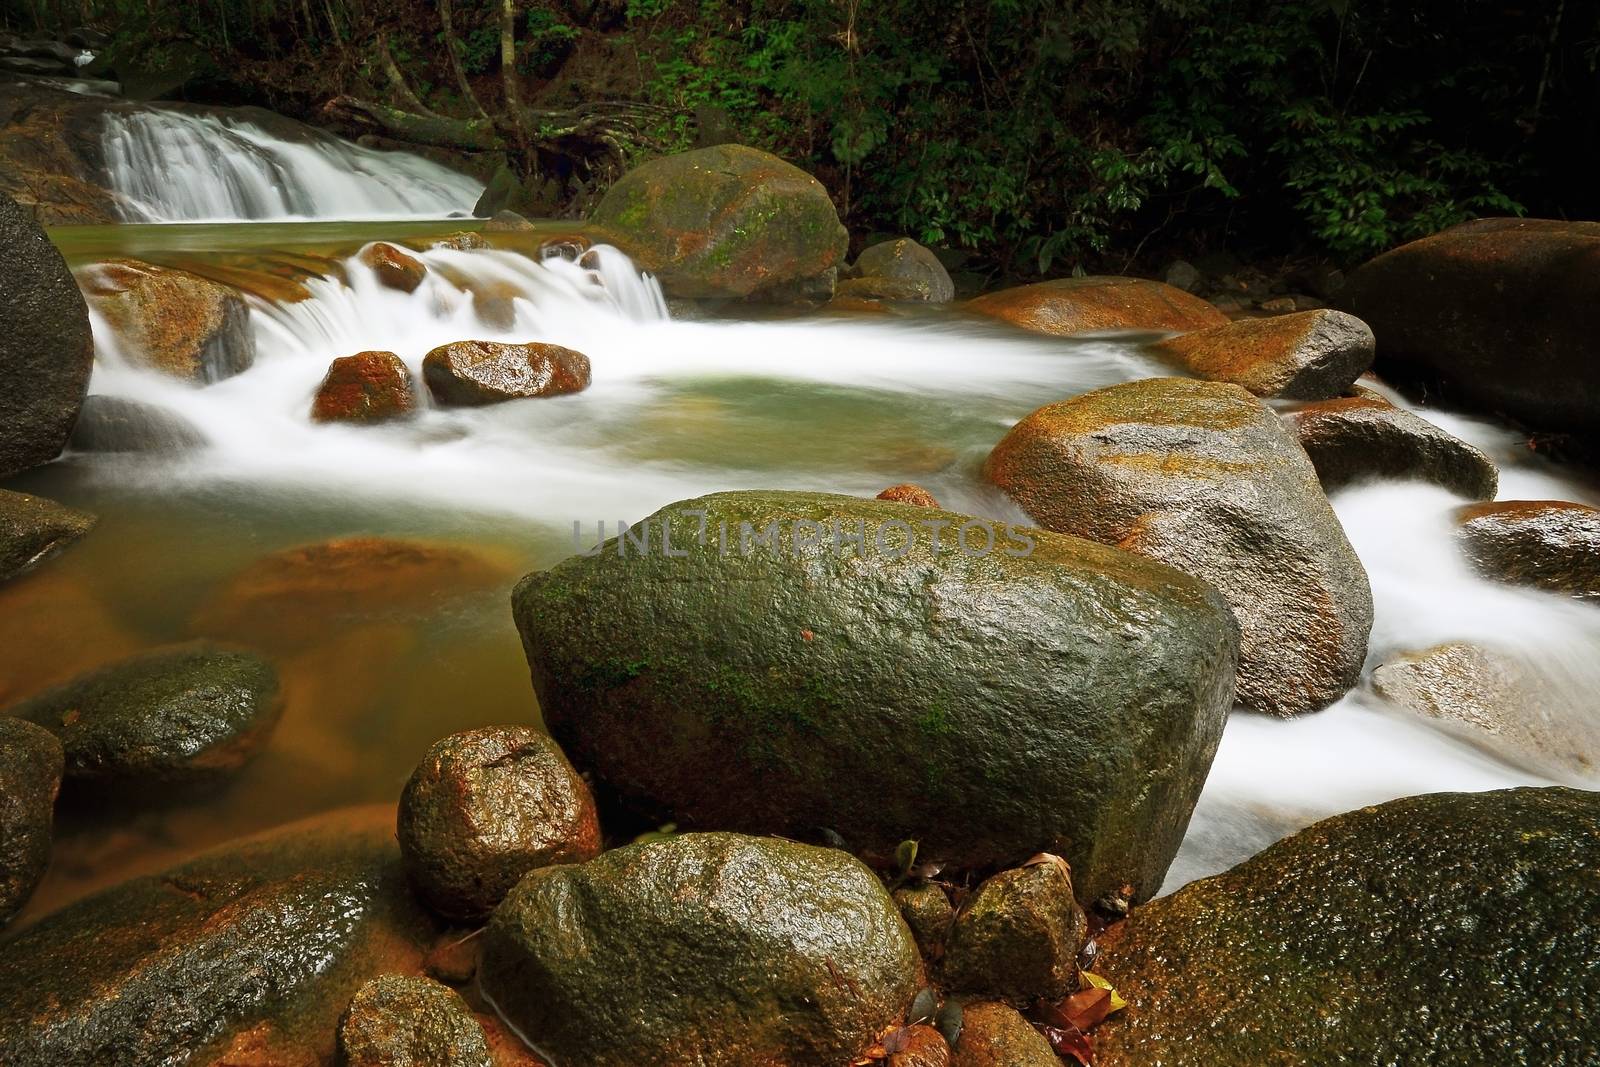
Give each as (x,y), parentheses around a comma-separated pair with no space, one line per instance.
(1358,437)
(471,373)
(1549,544)
(995,1035)
(1311,355)
(918,1046)
(365,387)
(1082,305)
(173,321)
(393,267)
(909,493)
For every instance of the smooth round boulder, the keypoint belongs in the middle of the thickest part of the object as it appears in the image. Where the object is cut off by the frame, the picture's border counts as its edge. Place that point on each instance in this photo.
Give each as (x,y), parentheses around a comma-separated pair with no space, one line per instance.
(898,270)
(506,221)
(173,321)
(1019,936)
(1205,478)
(30,776)
(1453,928)
(1309,355)
(393,268)
(485,807)
(1548,544)
(117,424)
(185,715)
(32,529)
(727,221)
(1364,437)
(908,493)
(363,388)
(399,1020)
(790,663)
(995,1035)
(46,348)
(1069,306)
(473,373)
(713,949)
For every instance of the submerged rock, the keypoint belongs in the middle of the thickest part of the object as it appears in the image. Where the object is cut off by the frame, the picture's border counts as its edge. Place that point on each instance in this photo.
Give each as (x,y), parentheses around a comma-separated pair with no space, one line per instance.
(180,716)
(728,221)
(1019,936)
(907,493)
(32,529)
(117,424)
(1310,355)
(995,1035)
(394,268)
(486,807)
(403,1021)
(173,321)
(1451,928)
(469,373)
(1548,544)
(46,350)
(712,949)
(260,942)
(365,387)
(989,691)
(1359,437)
(898,270)
(30,776)
(1205,478)
(1084,305)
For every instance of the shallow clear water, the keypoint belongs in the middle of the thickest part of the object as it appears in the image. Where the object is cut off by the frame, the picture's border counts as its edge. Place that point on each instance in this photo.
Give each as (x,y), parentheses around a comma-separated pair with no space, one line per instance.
(676,408)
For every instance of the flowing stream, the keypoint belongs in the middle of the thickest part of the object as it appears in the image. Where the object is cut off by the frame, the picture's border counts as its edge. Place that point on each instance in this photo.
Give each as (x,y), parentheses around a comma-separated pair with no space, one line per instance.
(676,408)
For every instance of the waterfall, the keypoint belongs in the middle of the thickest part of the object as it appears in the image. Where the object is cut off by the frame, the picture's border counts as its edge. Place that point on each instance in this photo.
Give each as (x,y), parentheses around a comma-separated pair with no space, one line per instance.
(182,166)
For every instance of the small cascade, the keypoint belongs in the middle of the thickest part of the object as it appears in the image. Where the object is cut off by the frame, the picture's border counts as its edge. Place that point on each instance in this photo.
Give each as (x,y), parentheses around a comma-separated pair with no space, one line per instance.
(182,166)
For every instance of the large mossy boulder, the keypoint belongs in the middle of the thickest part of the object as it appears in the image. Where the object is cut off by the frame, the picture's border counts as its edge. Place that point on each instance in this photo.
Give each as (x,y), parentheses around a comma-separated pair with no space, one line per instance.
(269,936)
(1501,314)
(1456,929)
(805,663)
(1069,306)
(32,529)
(1363,437)
(30,776)
(46,349)
(1205,478)
(728,221)
(173,321)
(1548,544)
(1309,355)
(713,949)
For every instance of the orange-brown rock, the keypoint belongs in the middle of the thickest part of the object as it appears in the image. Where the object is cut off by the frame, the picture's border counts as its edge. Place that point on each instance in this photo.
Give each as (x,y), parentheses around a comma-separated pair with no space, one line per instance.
(471,373)
(1310,355)
(173,321)
(393,267)
(565,246)
(1354,438)
(994,1035)
(365,387)
(1549,544)
(909,493)
(1082,305)
(918,1046)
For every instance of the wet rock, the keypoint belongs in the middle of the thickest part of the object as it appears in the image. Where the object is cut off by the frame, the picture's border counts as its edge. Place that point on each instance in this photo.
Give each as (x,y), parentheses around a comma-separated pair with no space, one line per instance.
(365,387)
(1084,305)
(467,373)
(394,268)
(116,424)
(1500,314)
(46,351)
(398,1020)
(486,807)
(712,949)
(180,716)
(1027,692)
(918,1046)
(50,152)
(1205,478)
(1310,355)
(928,914)
(1019,936)
(1501,701)
(270,935)
(570,246)
(461,241)
(32,529)
(173,321)
(30,776)
(1451,928)
(1548,544)
(507,222)
(994,1035)
(907,493)
(899,270)
(1355,438)
(728,221)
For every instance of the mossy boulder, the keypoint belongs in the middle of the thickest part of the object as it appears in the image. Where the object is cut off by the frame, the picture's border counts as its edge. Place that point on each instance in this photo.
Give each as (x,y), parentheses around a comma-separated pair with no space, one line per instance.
(472,373)
(988,690)
(487,806)
(46,349)
(365,387)
(996,1035)
(393,268)
(1444,929)
(30,776)
(727,221)
(1069,306)
(32,529)
(261,941)
(1205,478)
(898,270)
(1548,544)
(1362,437)
(711,949)
(173,321)
(399,1020)
(186,715)
(1309,355)
(1019,936)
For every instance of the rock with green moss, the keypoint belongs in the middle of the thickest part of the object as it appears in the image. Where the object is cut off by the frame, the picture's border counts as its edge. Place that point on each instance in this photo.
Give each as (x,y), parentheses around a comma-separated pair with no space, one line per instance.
(183,716)
(1019,936)
(795,663)
(995,1035)
(30,775)
(927,911)
(32,529)
(728,221)
(397,1020)
(899,270)
(712,949)
(1453,928)
(265,939)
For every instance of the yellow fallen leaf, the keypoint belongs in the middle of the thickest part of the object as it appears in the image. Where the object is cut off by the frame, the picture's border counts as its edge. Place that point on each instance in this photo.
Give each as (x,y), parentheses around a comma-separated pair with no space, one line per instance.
(1090,979)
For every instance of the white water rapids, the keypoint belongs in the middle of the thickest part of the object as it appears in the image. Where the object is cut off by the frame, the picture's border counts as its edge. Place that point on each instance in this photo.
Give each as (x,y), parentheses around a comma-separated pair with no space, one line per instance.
(838,404)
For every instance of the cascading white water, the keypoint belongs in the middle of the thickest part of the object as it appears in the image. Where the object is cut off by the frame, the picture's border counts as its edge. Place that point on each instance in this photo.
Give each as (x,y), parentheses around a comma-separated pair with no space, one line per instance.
(178,166)
(681,408)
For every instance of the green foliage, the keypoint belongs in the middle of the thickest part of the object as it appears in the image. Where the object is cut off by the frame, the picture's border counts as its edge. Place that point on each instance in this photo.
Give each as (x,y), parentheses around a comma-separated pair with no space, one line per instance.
(549,38)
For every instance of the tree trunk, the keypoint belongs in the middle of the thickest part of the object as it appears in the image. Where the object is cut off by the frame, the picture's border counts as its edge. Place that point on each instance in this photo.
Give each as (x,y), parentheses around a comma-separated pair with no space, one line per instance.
(439,131)
(508,55)
(452,46)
